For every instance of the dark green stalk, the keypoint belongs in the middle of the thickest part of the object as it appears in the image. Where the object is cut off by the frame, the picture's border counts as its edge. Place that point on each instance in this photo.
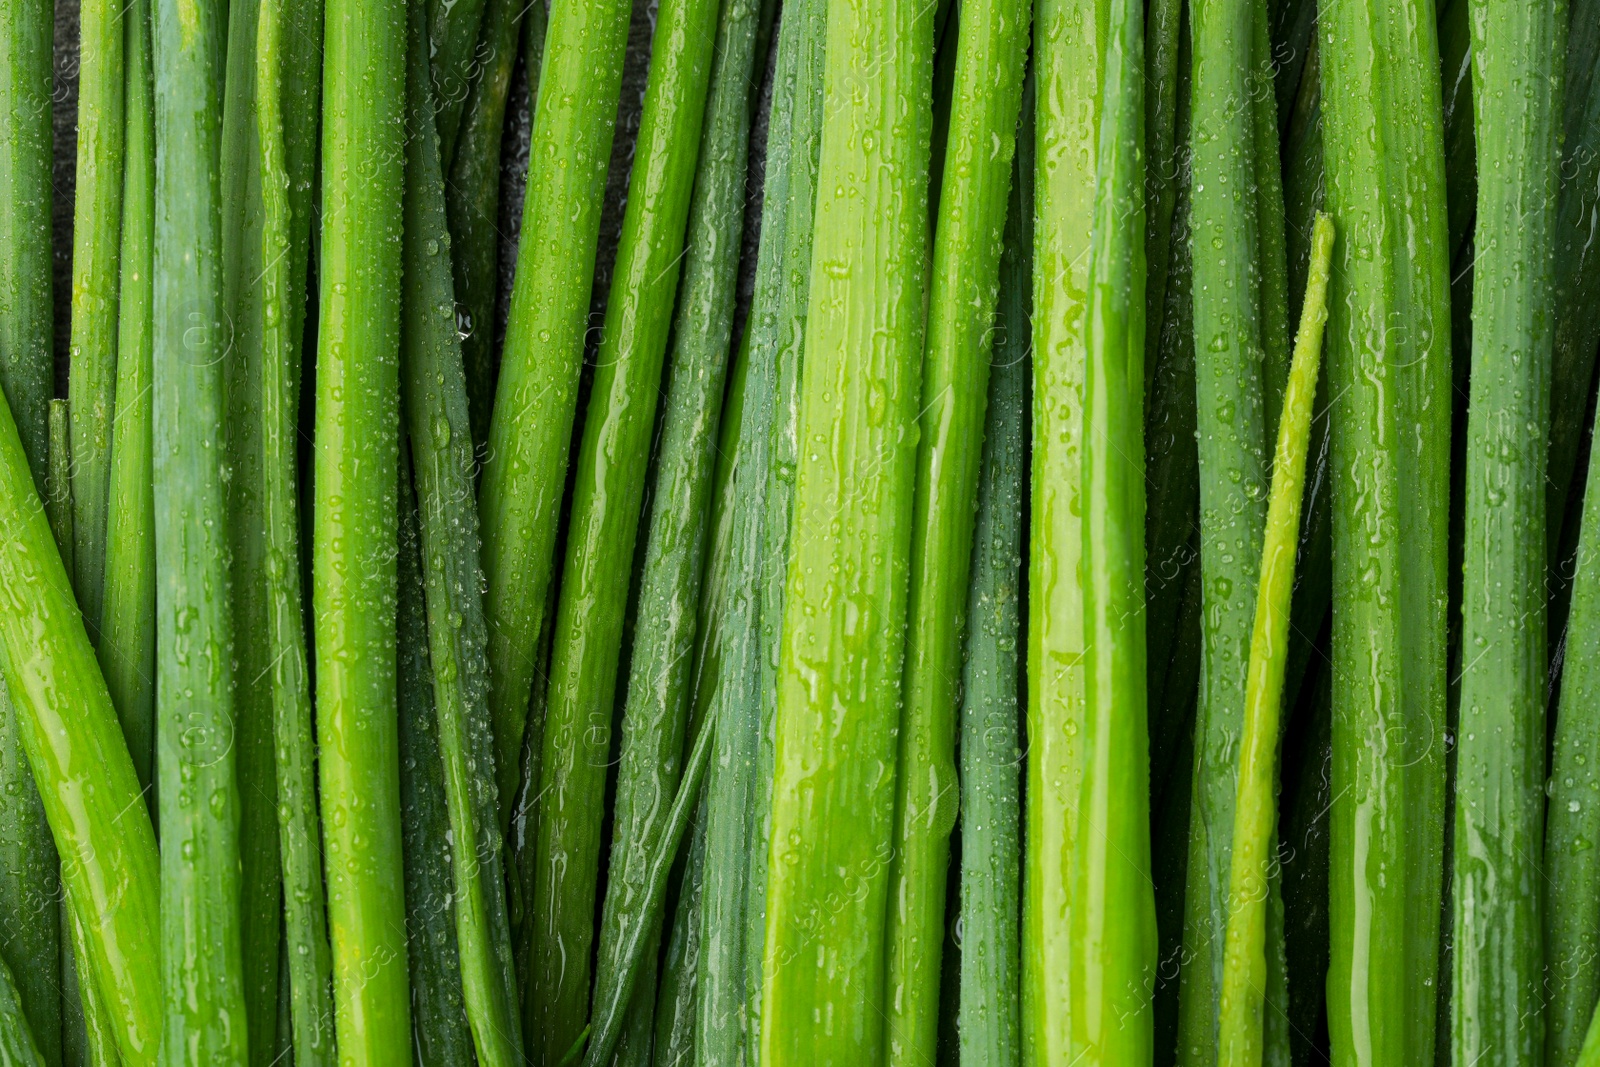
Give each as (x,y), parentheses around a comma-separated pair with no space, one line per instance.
(439,1016)
(1572,825)
(17,1046)
(99,1030)
(74,745)
(287,147)
(839,677)
(1172,500)
(734,676)
(196,755)
(598,1040)
(473,203)
(354,516)
(244,262)
(66,983)
(661,684)
(989,1023)
(1577,278)
(1270,253)
(454,32)
(96,237)
(607,497)
(1163,24)
(434,395)
(1388,377)
(58,482)
(525,466)
(1240,367)
(986,99)
(127,644)
(1518,56)
(676,1035)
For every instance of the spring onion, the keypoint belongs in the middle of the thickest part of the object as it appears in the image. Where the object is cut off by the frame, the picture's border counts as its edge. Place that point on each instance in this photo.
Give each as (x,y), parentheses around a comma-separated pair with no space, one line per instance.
(1518,54)
(525,467)
(203,980)
(1068,67)
(844,611)
(441,1032)
(1112,922)
(780,313)
(986,98)
(96,230)
(1244,977)
(661,683)
(434,396)
(607,497)
(1239,365)
(74,745)
(127,643)
(473,203)
(989,1020)
(288,34)
(28,869)
(354,517)
(17,1045)
(1572,822)
(1389,377)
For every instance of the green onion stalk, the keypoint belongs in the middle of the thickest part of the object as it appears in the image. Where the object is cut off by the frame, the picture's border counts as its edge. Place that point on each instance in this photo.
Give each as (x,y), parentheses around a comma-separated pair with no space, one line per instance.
(354,518)
(989,996)
(287,90)
(662,668)
(608,493)
(839,678)
(96,244)
(29,885)
(1388,380)
(1243,1023)
(434,401)
(986,100)
(1518,54)
(91,796)
(525,466)
(196,752)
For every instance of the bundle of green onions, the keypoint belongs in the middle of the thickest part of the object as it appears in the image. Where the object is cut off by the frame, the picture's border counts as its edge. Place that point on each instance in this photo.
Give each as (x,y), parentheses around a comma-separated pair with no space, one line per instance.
(773,533)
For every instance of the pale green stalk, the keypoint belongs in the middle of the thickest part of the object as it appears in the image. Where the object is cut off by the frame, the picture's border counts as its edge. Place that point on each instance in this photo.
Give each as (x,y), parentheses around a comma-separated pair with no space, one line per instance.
(844,612)
(1244,973)
(1068,56)
(1112,922)
(74,746)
